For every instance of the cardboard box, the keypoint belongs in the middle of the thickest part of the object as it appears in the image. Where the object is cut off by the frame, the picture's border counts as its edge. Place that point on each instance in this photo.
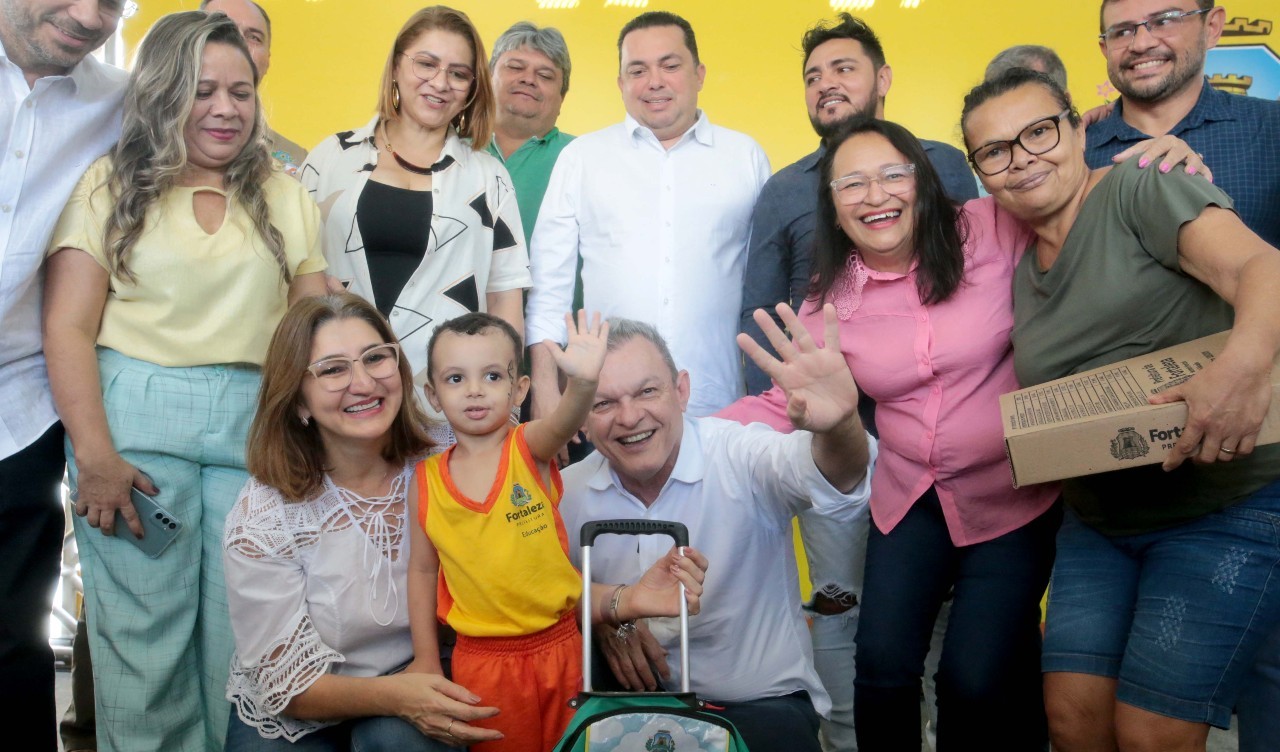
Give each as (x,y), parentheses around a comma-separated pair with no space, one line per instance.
(1100,420)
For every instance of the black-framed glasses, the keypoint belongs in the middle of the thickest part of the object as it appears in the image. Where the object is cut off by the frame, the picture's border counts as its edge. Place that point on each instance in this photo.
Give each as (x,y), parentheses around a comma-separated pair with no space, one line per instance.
(335,374)
(427,67)
(853,188)
(1036,139)
(1160,26)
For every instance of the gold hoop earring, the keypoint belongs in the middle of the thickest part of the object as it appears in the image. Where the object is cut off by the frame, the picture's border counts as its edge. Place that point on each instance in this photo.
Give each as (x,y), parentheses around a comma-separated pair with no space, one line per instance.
(395,96)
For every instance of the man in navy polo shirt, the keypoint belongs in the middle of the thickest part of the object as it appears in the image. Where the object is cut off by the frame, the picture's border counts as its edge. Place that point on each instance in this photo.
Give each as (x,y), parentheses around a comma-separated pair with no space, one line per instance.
(1155,53)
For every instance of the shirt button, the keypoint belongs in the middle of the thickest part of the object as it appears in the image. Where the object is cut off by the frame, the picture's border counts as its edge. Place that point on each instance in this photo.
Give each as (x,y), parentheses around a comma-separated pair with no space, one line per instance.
(18,154)
(6,208)
(395,313)
(30,104)
(924,361)
(665,301)
(936,389)
(929,436)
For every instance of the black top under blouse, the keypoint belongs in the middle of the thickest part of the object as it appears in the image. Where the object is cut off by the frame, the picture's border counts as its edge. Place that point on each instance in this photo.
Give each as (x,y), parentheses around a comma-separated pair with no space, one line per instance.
(395,224)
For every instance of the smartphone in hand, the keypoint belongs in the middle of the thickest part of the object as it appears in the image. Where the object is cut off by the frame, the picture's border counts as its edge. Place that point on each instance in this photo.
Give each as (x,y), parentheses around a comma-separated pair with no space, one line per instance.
(160,527)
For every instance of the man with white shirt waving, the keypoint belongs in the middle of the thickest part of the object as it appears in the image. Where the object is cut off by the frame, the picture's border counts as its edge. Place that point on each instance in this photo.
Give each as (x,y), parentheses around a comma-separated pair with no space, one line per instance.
(59,111)
(737,488)
(658,207)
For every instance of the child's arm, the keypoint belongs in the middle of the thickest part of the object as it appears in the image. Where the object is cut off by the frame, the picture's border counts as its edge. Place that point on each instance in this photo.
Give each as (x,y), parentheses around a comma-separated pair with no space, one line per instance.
(581,361)
(424,566)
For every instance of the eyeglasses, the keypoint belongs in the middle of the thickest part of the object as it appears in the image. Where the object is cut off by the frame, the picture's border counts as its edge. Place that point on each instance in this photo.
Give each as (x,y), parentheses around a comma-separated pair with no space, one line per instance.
(426,67)
(1036,139)
(335,374)
(1160,26)
(894,180)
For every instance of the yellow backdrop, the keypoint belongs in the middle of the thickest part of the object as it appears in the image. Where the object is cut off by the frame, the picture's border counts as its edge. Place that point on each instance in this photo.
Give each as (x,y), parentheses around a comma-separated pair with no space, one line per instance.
(327,56)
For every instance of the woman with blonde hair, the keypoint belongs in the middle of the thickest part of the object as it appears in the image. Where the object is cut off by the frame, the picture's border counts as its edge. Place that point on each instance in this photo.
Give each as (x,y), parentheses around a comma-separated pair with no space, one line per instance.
(418,218)
(173,261)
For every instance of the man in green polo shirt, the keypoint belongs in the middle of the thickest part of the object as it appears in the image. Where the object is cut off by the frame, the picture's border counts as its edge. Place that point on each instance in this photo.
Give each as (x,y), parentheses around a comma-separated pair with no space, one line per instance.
(530,78)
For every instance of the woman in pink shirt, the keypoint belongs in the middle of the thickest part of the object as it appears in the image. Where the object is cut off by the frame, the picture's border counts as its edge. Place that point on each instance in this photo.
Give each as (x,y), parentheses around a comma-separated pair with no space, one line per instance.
(924,295)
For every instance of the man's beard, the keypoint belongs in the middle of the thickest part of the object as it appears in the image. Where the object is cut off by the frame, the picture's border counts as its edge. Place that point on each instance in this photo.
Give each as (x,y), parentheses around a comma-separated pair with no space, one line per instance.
(1186,67)
(828,129)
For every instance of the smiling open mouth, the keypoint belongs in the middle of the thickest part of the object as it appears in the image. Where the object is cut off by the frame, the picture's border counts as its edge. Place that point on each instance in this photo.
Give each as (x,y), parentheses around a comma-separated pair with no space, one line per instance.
(362,407)
(882,216)
(636,438)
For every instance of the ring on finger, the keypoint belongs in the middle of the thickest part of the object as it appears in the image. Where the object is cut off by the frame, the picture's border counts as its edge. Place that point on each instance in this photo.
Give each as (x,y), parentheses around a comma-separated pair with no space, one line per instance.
(1224,450)
(448,730)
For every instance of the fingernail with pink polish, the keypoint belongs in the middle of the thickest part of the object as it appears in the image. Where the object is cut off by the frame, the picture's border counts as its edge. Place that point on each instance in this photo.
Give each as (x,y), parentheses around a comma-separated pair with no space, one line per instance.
(1143,162)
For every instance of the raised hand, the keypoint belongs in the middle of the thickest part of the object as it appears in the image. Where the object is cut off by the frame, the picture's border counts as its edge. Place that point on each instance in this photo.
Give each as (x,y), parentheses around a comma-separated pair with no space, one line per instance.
(583,356)
(821,393)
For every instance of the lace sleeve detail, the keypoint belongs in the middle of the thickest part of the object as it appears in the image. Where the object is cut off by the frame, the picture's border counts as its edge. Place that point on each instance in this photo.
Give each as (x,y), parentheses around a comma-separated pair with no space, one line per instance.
(256,527)
(261,692)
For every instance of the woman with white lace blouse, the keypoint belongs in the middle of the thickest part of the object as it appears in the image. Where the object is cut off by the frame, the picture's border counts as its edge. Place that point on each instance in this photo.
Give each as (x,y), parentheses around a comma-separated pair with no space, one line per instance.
(316,551)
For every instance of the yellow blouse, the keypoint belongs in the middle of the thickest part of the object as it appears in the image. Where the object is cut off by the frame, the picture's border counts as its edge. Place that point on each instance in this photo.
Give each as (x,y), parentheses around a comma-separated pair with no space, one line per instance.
(200,298)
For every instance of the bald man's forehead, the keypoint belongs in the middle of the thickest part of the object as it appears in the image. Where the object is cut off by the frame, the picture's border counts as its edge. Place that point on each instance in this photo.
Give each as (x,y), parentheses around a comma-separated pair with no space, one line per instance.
(247,16)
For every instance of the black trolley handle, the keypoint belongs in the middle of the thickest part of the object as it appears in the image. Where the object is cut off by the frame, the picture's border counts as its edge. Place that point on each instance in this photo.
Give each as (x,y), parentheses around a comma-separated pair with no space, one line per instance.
(592,530)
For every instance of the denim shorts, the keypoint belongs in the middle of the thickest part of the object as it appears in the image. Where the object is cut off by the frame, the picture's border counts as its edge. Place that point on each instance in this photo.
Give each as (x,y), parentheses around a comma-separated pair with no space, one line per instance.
(1176,615)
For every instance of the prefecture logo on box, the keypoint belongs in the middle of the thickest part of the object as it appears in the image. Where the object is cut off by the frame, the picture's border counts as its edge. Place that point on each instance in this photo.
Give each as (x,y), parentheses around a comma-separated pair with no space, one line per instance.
(1129,445)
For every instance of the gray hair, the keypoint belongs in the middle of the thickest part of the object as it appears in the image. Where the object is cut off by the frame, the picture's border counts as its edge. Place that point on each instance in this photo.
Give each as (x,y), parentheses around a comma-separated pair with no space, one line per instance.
(548,40)
(1034,56)
(622,331)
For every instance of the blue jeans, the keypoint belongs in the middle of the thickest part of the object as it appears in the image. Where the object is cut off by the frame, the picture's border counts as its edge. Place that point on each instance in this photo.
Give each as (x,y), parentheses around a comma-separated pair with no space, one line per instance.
(1260,698)
(1176,616)
(358,735)
(988,681)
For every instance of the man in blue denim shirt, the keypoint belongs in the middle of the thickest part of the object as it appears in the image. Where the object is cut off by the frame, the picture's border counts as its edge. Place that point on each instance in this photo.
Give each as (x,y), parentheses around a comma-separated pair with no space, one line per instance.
(1158,68)
(845,77)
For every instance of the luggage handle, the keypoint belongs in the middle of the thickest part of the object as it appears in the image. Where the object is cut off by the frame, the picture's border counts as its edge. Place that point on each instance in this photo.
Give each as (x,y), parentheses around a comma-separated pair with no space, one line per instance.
(676,530)
(592,530)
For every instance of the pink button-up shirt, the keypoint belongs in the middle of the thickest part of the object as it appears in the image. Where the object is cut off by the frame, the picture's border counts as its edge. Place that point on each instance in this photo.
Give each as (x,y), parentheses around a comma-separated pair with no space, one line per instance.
(936,373)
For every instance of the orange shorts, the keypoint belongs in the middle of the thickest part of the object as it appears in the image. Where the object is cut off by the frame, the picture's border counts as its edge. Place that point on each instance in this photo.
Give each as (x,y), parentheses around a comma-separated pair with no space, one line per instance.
(530,679)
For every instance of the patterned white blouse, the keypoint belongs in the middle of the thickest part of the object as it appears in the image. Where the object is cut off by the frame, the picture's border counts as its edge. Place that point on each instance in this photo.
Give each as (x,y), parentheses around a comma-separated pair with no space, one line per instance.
(314,587)
(476,244)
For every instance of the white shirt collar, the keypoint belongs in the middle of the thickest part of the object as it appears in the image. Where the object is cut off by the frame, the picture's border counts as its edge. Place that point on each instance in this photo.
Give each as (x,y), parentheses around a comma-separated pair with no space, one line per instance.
(701,131)
(77,75)
(689,468)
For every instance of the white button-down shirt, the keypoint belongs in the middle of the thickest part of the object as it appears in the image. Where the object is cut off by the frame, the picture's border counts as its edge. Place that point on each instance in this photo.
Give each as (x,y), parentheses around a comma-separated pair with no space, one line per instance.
(50,133)
(662,234)
(736,488)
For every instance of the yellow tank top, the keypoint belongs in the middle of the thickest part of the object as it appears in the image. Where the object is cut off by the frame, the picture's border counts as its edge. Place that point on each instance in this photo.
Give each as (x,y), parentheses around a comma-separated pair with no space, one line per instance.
(504,562)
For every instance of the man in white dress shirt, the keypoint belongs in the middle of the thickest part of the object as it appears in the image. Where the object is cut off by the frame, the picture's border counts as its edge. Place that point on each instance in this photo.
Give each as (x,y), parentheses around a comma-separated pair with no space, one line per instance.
(60,110)
(658,207)
(737,488)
